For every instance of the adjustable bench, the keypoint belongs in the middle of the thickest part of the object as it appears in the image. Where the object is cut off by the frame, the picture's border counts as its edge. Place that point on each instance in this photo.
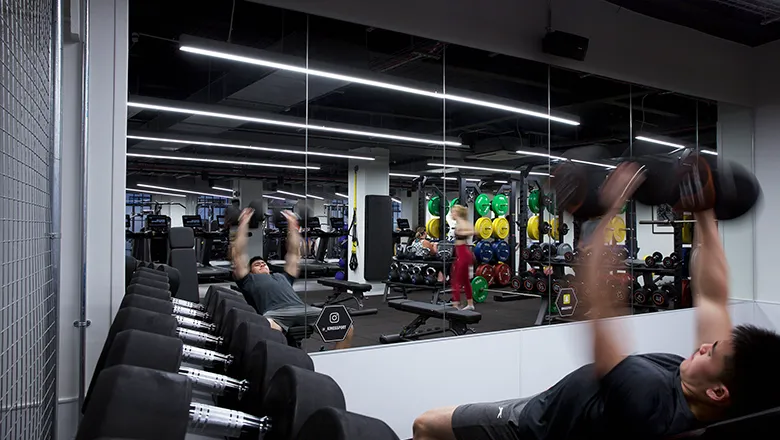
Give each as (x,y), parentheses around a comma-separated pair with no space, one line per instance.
(457,320)
(353,292)
(760,425)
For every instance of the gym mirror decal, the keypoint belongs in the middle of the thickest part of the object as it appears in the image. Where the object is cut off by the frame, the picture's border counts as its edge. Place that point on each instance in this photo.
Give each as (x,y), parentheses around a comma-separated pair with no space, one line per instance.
(339,185)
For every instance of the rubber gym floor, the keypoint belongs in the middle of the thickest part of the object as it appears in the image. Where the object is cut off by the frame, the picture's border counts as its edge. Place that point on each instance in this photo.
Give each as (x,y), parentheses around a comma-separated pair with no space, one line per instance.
(495,316)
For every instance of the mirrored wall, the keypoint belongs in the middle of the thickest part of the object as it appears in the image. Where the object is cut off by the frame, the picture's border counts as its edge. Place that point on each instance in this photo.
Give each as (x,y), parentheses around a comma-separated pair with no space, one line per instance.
(426,178)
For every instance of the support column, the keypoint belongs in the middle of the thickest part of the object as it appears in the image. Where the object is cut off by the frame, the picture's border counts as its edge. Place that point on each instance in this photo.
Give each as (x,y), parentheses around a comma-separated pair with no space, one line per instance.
(92,259)
(372,179)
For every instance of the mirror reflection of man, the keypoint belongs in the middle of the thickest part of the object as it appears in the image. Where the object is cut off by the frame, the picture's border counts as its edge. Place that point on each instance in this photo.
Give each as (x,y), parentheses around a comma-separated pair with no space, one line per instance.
(272,294)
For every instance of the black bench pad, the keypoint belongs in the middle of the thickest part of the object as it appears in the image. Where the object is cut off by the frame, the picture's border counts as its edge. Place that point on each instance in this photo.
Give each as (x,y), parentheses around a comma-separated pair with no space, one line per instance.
(351,285)
(435,311)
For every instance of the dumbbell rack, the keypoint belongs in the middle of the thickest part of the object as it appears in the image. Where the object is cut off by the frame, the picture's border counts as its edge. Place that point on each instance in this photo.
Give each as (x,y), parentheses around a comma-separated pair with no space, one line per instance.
(437,290)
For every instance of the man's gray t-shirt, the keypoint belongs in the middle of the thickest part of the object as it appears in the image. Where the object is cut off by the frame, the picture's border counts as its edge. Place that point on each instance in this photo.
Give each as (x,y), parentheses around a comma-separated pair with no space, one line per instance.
(266,292)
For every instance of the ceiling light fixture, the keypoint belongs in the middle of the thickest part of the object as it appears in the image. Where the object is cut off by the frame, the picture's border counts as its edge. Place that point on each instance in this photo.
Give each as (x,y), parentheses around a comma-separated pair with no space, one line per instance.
(291,194)
(219,188)
(473,180)
(611,167)
(146,191)
(395,200)
(470,167)
(536,173)
(658,141)
(413,176)
(500,181)
(164,188)
(248,147)
(710,152)
(372,83)
(312,127)
(342,195)
(315,197)
(273,197)
(224,161)
(534,153)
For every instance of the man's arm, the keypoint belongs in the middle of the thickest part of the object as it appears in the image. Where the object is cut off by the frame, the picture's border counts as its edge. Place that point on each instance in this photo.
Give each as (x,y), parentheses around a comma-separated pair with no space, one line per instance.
(608,349)
(293,255)
(240,258)
(710,281)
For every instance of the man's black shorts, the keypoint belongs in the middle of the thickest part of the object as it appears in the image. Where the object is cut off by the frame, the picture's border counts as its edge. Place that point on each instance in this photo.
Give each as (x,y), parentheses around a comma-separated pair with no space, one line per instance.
(488,421)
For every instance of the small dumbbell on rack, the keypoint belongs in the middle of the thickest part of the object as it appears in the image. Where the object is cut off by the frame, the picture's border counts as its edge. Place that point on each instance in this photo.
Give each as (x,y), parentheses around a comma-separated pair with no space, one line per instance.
(671,261)
(653,260)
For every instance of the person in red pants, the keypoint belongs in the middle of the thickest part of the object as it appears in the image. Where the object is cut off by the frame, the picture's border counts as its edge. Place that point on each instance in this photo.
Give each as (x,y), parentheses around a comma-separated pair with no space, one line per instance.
(459,277)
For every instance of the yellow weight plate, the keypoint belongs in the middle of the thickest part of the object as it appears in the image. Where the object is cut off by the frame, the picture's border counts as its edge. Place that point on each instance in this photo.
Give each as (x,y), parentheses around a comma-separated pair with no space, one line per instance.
(484,227)
(433,227)
(554,229)
(533,227)
(687,230)
(500,227)
(618,227)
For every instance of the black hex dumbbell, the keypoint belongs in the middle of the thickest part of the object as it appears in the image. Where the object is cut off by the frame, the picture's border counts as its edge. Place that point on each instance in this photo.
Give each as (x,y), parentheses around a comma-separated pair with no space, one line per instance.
(241,342)
(218,303)
(245,391)
(142,403)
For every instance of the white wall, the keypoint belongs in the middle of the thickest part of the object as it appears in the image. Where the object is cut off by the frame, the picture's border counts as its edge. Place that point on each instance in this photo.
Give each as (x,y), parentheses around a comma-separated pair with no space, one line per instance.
(173,211)
(493,366)
(735,145)
(647,241)
(623,45)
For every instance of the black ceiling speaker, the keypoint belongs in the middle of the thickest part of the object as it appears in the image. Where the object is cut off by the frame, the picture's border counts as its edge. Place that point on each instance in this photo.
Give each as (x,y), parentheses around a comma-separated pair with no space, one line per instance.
(564,44)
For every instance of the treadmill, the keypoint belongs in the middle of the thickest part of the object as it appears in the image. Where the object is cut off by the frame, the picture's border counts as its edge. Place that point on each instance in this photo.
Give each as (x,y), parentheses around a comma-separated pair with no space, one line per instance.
(151,243)
(309,267)
(403,231)
(204,241)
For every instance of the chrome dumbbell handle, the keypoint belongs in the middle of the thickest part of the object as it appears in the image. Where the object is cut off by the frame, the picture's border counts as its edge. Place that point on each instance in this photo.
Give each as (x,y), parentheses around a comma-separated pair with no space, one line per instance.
(188,304)
(194,324)
(206,358)
(199,339)
(220,422)
(190,313)
(213,383)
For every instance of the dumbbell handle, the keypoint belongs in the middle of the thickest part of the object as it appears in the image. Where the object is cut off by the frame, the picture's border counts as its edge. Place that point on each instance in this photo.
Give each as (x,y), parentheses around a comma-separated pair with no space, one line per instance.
(194,324)
(220,422)
(206,358)
(213,383)
(197,338)
(188,304)
(190,313)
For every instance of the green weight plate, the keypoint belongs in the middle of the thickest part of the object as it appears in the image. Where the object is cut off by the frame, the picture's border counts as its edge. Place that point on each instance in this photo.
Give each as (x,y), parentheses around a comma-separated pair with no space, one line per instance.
(433,205)
(533,201)
(482,205)
(479,287)
(500,205)
(623,209)
(453,202)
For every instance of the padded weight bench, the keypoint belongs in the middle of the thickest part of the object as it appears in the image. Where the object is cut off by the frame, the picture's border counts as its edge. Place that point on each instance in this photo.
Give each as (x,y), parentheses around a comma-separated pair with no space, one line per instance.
(760,425)
(295,335)
(457,320)
(353,292)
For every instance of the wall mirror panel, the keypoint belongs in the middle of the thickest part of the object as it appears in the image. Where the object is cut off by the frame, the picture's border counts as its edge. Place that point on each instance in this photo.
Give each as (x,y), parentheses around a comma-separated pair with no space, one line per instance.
(430,182)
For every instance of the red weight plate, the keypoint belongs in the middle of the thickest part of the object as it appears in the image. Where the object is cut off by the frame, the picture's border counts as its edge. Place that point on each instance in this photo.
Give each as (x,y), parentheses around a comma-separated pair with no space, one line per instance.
(502,273)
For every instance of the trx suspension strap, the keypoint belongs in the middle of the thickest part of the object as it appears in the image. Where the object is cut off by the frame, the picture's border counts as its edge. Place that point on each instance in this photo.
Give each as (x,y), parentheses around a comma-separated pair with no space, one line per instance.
(353,260)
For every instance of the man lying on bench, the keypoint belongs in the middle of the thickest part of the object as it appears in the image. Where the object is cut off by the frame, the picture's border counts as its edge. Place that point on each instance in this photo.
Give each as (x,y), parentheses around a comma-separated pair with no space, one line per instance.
(639,396)
(272,295)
